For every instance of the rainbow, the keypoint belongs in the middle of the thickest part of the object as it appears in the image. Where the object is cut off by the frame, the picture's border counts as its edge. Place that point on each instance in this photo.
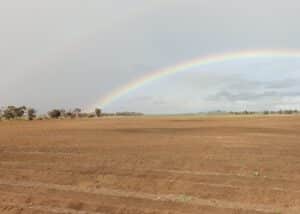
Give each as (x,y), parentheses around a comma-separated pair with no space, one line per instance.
(197,62)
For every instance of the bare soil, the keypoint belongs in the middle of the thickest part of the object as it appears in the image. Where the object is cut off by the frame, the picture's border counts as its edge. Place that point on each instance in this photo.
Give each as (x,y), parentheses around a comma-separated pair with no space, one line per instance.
(153,165)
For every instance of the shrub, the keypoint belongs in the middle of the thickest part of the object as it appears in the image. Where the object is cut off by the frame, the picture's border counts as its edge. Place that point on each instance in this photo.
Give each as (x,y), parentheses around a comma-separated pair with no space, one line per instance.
(31,113)
(98,112)
(55,113)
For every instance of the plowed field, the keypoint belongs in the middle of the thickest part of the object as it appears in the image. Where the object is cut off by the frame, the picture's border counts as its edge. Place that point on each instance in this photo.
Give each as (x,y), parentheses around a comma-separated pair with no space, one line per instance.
(153,165)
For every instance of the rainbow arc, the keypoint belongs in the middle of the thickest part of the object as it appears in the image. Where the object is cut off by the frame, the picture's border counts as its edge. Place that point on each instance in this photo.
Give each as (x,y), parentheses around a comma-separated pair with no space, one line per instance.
(194,63)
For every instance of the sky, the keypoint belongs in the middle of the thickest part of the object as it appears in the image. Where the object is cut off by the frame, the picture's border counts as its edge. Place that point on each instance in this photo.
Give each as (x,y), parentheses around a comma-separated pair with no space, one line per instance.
(72,53)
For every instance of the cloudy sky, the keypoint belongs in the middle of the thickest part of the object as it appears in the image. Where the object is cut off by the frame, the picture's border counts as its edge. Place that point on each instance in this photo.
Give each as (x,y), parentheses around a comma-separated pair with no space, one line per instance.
(71,53)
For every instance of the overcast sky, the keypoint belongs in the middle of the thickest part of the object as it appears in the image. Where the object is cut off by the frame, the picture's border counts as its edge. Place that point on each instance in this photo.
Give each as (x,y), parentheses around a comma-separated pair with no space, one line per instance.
(70,53)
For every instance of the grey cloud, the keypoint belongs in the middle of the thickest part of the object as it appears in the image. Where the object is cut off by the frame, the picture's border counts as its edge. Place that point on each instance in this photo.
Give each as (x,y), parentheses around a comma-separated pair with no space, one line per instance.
(283,84)
(251,96)
(256,85)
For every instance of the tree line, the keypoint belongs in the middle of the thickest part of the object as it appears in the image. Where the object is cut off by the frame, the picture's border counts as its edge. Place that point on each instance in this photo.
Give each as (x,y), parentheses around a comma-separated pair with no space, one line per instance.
(13,112)
(266,112)
(28,113)
(23,112)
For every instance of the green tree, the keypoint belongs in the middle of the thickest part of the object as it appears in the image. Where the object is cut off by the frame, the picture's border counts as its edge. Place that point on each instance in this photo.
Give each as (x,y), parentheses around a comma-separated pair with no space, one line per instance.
(12,112)
(55,113)
(31,113)
(98,112)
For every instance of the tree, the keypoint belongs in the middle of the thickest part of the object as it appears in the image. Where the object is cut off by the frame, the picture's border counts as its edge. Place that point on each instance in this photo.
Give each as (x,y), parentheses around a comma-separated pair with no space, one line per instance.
(8,113)
(63,113)
(55,113)
(31,113)
(12,112)
(20,111)
(98,112)
(76,112)
(70,114)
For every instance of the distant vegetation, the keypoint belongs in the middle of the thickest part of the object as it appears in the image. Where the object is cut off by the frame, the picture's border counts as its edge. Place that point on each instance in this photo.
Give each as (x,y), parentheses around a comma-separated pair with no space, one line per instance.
(128,114)
(266,112)
(98,112)
(13,112)
(28,113)
(31,113)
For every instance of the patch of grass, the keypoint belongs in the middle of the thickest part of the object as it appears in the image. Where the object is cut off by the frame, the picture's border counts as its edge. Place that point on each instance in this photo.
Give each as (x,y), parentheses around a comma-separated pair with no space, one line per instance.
(256,174)
(184,198)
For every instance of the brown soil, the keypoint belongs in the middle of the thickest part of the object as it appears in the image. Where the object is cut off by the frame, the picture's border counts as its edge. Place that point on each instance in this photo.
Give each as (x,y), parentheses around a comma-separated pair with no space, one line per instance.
(151,165)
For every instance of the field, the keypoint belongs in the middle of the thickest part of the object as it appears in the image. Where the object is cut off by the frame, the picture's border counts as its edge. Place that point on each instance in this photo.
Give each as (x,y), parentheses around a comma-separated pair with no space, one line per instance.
(151,165)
